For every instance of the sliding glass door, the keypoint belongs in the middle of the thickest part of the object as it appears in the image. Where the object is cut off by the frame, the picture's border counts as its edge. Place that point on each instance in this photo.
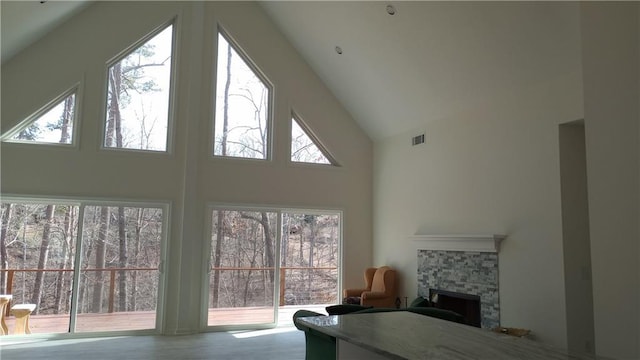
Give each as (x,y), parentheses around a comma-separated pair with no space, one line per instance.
(265,261)
(242,273)
(86,268)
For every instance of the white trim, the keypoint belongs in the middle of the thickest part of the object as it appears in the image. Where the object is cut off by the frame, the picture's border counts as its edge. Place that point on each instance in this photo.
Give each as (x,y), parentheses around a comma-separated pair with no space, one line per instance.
(479,243)
(82,203)
(222,30)
(279,211)
(314,139)
(74,91)
(171,100)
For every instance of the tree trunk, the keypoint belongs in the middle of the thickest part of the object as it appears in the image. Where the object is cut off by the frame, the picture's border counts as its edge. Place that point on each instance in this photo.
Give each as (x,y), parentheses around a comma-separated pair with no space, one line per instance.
(66,119)
(268,244)
(122,278)
(42,260)
(225,124)
(71,261)
(136,253)
(60,283)
(113,119)
(101,248)
(4,260)
(301,253)
(285,241)
(64,138)
(215,295)
(216,259)
(312,245)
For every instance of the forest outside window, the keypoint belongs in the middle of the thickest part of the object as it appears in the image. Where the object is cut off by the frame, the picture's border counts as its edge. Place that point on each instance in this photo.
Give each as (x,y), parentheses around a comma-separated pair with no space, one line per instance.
(138,96)
(305,148)
(267,259)
(53,124)
(243,100)
(86,267)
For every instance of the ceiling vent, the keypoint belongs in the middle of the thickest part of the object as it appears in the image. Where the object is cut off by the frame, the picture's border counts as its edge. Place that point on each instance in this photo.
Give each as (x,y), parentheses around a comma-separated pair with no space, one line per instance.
(417,140)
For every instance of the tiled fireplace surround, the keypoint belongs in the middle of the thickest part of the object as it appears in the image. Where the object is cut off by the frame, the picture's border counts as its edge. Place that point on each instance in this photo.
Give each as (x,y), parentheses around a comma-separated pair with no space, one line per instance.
(463,264)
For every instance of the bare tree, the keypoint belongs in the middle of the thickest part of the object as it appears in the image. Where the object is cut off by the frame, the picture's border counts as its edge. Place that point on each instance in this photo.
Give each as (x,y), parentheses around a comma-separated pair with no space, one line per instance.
(4,260)
(100,253)
(42,260)
(67,257)
(220,225)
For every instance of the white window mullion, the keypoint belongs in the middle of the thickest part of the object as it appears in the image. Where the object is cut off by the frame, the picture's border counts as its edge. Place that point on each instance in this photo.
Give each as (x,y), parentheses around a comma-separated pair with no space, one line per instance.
(76,271)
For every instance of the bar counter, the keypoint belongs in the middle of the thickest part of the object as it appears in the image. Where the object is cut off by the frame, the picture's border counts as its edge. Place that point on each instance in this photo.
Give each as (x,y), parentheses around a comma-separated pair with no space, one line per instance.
(405,335)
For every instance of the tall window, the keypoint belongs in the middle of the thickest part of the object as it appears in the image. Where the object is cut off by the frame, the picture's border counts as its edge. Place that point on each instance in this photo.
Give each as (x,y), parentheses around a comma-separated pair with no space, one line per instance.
(52,124)
(137,114)
(242,106)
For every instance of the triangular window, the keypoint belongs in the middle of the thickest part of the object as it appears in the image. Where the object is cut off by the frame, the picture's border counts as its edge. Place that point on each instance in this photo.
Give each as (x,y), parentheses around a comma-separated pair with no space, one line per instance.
(243,102)
(139,83)
(53,124)
(304,147)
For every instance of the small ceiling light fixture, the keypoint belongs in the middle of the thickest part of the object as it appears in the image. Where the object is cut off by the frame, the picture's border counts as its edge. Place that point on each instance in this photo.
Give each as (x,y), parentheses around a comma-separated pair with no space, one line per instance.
(43,1)
(391,10)
(339,50)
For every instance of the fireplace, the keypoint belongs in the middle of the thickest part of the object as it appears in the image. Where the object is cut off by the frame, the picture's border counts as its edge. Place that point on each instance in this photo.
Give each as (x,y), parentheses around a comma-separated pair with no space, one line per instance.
(466,305)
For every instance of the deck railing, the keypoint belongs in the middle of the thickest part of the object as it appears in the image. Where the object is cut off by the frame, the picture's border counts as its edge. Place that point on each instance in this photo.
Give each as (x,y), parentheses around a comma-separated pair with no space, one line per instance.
(111,271)
(112,277)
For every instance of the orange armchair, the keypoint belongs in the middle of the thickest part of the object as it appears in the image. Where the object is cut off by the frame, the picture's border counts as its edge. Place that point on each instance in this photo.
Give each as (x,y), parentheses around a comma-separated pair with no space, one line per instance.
(380,288)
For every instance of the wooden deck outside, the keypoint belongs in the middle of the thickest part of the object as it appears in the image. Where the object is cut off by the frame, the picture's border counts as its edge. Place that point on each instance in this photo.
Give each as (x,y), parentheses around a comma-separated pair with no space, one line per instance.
(144,320)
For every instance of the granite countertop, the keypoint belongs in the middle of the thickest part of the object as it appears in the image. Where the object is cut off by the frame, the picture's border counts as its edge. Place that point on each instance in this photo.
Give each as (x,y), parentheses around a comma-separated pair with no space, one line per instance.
(405,335)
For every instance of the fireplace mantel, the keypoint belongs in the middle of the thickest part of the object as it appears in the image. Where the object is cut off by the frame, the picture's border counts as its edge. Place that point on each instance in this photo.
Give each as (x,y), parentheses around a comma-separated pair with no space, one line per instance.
(480,243)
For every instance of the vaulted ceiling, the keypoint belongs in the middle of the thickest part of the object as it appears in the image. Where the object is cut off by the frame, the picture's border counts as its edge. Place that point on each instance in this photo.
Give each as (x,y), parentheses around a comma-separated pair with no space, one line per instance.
(428,61)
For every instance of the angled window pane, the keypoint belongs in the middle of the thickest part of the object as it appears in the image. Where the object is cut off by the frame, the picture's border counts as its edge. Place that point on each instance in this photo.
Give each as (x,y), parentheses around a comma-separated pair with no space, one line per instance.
(242,107)
(55,125)
(303,148)
(137,114)
(38,252)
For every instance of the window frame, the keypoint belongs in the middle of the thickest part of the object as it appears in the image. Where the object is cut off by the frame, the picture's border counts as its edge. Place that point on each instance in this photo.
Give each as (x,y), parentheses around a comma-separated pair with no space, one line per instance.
(270,114)
(210,207)
(81,203)
(314,138)
(171,108)
(75,90)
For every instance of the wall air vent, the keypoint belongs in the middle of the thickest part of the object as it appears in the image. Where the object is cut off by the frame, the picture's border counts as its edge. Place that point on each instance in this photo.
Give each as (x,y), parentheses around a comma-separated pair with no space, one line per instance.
(417,140)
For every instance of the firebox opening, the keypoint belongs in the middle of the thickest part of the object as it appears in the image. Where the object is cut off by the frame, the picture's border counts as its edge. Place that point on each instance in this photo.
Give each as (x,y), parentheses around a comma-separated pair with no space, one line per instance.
(466,305)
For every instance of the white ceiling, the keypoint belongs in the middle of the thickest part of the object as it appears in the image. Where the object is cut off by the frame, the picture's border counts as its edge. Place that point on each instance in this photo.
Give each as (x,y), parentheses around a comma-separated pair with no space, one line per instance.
(429,61)
(24,22)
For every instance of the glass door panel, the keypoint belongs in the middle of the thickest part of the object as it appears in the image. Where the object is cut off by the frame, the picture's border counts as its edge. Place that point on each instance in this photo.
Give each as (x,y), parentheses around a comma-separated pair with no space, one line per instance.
(309,258)
(119,273)
(37,243)
(242,273)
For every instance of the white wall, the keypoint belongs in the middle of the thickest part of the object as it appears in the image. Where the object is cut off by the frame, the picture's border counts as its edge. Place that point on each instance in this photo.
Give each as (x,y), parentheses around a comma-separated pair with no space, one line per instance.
(494,171)
(78,52)
(493,168)
(576,241)
(610,47)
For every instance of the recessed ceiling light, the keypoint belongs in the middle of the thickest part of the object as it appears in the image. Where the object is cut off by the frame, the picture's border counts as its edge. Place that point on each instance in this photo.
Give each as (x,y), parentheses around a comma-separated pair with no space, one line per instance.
(391,10)
(339,50)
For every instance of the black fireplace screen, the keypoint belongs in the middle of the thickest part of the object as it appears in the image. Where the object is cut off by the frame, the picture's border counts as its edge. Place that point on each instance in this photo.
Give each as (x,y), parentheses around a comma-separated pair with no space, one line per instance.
(466,305)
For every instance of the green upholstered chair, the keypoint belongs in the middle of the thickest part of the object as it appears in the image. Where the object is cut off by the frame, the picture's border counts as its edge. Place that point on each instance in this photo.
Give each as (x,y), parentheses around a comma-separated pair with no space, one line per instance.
(318,346)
